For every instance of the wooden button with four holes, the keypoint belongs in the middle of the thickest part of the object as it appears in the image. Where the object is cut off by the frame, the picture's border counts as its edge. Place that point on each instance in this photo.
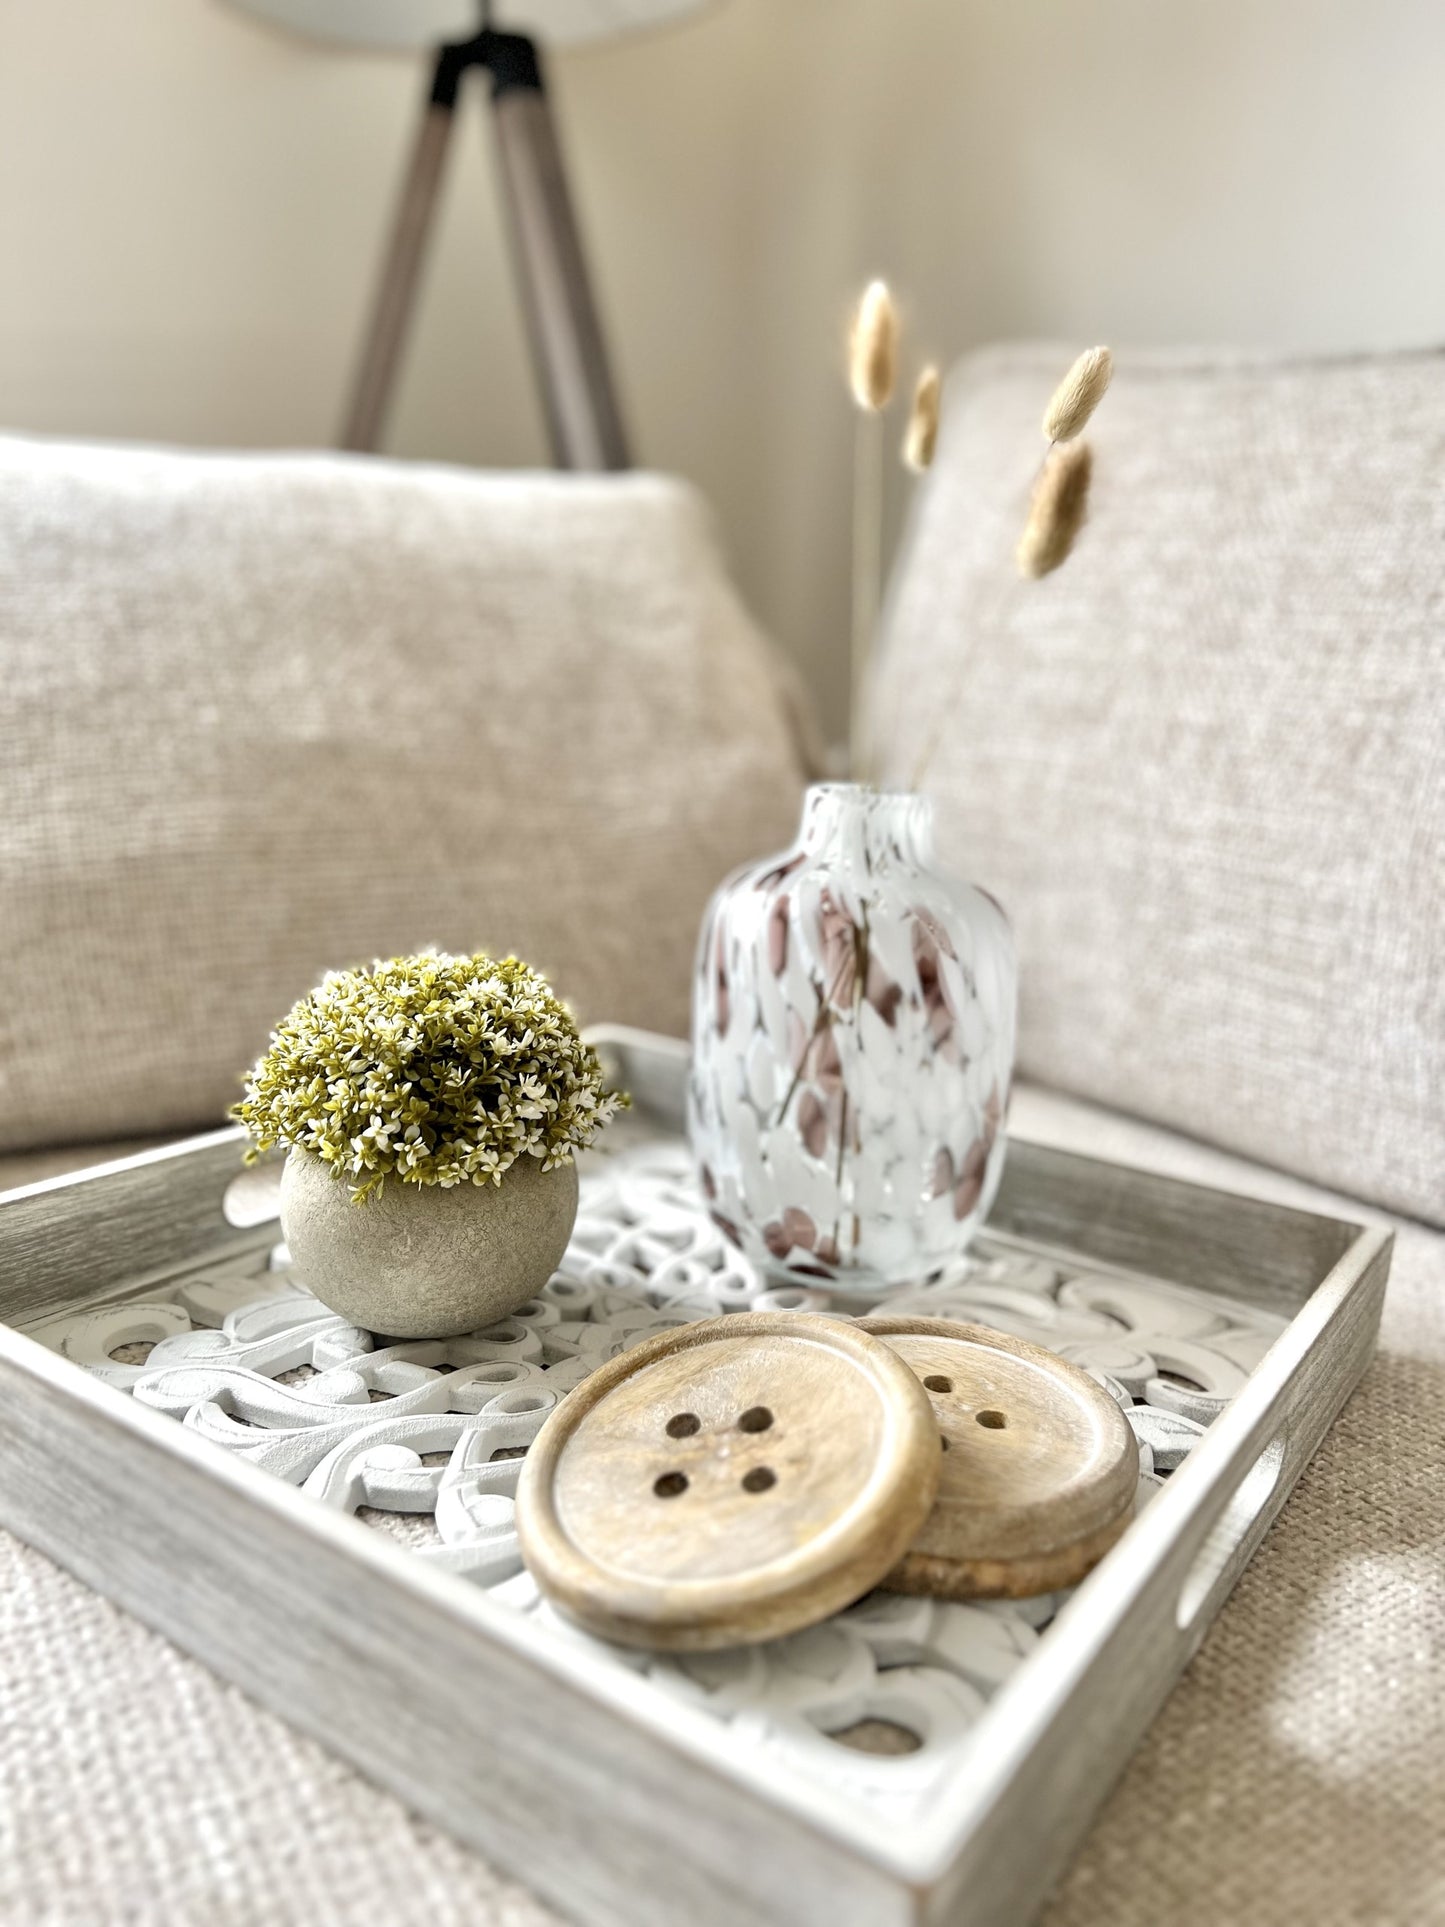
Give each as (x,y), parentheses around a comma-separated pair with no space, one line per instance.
(729,1481)
(1040,1465)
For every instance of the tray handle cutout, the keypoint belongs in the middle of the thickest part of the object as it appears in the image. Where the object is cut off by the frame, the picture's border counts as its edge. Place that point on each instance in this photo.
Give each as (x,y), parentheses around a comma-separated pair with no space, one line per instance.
(1219,1559)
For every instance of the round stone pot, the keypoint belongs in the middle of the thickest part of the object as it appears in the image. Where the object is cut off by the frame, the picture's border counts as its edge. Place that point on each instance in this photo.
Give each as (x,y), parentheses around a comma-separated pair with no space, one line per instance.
(420,1261)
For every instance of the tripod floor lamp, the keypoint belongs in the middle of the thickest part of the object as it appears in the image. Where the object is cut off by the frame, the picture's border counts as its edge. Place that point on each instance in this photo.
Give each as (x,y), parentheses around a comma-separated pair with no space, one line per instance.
(583,419)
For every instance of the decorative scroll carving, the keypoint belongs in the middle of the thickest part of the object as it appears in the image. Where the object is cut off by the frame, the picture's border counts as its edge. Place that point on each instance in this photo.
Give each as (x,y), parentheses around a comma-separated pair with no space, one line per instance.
(426,1439)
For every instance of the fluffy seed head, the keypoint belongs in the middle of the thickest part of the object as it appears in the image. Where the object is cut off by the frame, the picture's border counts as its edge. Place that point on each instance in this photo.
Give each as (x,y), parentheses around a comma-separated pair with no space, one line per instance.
(922,434)
(1056,513)
(1078,395)
(873,348)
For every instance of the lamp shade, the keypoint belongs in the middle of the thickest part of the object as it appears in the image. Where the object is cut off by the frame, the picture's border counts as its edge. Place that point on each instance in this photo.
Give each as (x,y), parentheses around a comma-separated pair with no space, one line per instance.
(409,25)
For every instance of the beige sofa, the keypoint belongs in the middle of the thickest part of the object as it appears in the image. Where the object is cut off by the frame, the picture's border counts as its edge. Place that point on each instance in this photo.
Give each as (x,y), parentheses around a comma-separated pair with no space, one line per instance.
(215,663)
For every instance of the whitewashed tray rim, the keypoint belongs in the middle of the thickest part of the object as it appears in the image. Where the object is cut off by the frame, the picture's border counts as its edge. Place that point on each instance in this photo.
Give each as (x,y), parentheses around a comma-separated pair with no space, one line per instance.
(1156,1555)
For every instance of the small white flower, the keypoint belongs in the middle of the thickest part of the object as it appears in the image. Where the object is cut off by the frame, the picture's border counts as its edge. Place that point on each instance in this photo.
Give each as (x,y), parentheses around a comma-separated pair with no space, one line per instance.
(439,1069)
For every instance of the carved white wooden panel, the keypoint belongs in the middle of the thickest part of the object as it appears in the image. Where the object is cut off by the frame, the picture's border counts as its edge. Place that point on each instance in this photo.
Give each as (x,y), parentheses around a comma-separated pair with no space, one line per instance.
(425,1439)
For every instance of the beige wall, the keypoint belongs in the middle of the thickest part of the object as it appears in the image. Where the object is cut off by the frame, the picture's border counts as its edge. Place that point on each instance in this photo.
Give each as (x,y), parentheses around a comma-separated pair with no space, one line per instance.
(190,209)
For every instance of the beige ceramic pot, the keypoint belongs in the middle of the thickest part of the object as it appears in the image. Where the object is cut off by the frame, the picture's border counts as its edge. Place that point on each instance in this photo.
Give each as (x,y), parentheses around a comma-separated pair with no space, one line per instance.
(420,1261)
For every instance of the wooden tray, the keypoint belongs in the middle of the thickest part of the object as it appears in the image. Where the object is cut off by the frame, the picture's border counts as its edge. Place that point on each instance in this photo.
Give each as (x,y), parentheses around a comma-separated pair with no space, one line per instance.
(616,1800)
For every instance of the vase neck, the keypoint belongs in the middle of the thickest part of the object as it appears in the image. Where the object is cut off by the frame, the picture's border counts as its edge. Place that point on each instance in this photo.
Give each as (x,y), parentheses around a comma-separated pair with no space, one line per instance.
(874,829)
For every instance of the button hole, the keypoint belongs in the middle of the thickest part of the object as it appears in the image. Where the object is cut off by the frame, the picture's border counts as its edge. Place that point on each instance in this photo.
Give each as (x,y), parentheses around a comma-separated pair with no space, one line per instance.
(995,1421)
(935,1382)
(670,1485)
(682,1425)
(757,1418)
(759,1479)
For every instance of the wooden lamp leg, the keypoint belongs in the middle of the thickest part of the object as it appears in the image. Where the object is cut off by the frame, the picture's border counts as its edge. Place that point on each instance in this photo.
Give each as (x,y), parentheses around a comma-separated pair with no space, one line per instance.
(401,269)
(583,418)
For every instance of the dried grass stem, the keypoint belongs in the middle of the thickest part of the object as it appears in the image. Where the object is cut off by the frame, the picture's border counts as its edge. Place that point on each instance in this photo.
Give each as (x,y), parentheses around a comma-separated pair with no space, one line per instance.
(867,578)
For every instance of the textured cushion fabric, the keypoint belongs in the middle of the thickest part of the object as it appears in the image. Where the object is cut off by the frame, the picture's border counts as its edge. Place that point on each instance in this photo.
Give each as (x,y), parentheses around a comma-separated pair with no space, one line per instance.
(265,716)
(1203,764)
(1296,1774)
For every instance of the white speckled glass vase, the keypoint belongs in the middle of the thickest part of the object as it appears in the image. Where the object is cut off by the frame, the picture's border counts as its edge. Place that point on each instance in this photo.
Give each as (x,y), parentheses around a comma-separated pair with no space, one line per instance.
(853,1038)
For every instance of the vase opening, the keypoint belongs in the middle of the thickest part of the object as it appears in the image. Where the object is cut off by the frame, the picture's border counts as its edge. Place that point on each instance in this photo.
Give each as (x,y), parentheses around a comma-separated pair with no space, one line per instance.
(875,829)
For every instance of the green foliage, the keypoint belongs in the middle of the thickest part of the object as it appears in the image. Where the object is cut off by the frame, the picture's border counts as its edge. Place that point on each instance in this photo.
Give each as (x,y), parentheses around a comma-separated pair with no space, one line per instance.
(435,1069)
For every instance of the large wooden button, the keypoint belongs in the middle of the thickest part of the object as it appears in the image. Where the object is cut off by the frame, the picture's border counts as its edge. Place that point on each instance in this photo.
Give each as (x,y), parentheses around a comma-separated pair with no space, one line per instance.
(729,1481)
(1039,1470)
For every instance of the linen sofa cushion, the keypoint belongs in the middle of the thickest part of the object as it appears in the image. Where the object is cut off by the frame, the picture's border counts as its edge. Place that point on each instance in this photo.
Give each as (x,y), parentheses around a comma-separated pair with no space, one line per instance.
(268,715)
(1203,764)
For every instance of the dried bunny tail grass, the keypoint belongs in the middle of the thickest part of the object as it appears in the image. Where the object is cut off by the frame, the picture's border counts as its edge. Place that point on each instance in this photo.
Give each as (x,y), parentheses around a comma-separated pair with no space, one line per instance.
(873,349)
(1056,513)
(1078,395)
(921,437)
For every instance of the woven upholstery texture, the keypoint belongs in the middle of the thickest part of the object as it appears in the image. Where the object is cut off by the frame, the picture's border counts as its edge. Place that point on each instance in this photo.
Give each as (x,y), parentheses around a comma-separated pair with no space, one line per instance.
(266,716)
(1297,1773)
(1203,764)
